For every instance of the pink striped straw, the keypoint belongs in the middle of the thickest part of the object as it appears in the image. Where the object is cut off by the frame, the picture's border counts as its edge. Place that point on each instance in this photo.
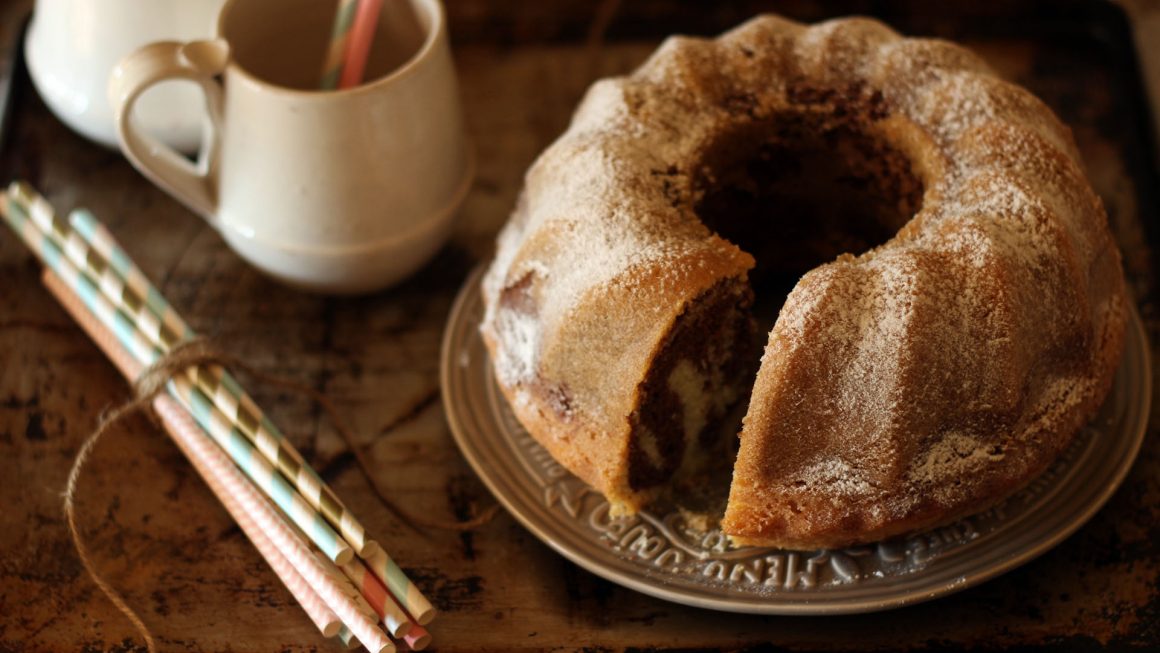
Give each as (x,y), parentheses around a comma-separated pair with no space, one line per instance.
(417,638)
(225,479)
(358,47)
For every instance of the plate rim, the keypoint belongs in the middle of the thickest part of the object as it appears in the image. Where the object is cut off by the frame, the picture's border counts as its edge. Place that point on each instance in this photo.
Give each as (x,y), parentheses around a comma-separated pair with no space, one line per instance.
(816,607)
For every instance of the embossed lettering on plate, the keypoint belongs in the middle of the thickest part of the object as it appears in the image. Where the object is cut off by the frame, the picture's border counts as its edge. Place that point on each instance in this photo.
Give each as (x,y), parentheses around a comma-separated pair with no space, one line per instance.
(665,542)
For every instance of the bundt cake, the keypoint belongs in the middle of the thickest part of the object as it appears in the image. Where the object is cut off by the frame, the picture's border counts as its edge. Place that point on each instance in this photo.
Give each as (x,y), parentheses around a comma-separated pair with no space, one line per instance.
(963,321)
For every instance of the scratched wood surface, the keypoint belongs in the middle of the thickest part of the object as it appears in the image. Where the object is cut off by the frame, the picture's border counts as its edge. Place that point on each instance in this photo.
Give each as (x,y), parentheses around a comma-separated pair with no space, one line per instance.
(162,539)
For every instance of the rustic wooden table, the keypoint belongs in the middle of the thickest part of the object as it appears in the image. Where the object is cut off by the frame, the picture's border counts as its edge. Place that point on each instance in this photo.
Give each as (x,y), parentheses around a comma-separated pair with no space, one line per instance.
(165,542)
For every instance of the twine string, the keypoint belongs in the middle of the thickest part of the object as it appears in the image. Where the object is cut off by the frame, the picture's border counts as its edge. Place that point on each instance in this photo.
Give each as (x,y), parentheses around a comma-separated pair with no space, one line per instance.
(152,381)
(70,492)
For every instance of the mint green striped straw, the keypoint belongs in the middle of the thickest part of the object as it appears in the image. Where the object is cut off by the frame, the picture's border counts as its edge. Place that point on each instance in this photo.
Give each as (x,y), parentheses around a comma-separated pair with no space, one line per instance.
(42,233)
(127,285)
(336,51)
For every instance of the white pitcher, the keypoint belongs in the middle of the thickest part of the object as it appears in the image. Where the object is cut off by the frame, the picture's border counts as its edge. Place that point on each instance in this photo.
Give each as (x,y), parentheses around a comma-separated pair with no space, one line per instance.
(72,46)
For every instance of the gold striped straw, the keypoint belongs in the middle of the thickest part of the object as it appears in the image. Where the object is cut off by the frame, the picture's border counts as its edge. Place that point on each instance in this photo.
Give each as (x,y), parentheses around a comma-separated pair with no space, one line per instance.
(336,51)
(90,246)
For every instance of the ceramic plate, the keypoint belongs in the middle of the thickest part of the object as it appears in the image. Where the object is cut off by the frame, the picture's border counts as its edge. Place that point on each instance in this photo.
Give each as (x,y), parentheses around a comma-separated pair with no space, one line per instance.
(660,555)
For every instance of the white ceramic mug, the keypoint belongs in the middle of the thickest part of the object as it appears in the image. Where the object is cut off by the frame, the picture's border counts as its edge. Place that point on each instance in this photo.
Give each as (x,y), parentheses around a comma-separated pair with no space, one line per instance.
(72,45)
(335,191)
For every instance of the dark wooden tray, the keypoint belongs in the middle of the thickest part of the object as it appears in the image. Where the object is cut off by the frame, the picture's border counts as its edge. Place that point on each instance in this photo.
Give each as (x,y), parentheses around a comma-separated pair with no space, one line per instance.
(177,556)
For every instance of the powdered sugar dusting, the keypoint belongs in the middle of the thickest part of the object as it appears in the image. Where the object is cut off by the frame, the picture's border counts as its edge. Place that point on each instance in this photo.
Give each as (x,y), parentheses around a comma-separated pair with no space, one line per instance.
(834,476)
(516,361)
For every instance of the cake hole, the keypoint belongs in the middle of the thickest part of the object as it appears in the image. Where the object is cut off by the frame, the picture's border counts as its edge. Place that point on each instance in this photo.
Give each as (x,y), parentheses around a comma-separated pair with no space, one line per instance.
(800,189)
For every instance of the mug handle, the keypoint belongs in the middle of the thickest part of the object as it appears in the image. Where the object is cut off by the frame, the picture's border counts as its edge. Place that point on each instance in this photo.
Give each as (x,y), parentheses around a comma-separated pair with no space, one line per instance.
(194,184)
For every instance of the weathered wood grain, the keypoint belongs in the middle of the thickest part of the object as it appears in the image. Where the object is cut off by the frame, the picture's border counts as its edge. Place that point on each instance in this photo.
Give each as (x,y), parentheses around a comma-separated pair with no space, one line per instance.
(200,586)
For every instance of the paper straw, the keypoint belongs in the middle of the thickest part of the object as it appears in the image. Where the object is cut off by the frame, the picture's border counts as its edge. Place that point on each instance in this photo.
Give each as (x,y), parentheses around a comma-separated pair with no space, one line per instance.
(418,639)
(347,638)
(401,587)
(336,51)
(348,589)
(92,246)
(122,326)
(225,480)
(396,621)
(362,35)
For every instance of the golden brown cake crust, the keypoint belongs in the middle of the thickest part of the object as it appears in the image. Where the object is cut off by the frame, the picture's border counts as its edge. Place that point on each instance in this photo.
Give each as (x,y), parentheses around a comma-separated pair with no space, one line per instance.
(900,389)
